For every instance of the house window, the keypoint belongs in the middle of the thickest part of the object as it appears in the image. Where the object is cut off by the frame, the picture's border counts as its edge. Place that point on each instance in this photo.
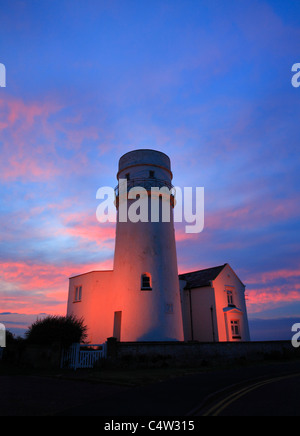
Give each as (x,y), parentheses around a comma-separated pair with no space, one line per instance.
(146,284)
(151,174)
(78,293)
(230,298)
(235,330)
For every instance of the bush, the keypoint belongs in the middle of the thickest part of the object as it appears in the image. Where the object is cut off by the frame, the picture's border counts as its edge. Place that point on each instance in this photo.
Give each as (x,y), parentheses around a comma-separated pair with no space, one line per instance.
(9,338)
(65,330)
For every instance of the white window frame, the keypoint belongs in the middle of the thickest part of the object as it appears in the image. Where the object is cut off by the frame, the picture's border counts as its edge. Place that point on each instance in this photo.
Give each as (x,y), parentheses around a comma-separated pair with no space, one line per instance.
(235,329)
(230,298)
(78,294)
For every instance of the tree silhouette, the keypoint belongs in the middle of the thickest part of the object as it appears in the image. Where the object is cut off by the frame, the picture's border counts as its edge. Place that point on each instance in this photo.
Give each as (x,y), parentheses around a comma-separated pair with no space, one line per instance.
(65,330)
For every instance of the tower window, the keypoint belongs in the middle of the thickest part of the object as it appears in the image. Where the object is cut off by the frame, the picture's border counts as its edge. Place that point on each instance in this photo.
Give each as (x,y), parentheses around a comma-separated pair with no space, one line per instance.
(151,174)
(146,284)
(78,293)
(127,176)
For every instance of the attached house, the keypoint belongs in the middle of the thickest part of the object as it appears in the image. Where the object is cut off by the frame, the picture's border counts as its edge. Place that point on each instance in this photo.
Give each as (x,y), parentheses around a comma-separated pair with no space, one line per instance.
(214,306)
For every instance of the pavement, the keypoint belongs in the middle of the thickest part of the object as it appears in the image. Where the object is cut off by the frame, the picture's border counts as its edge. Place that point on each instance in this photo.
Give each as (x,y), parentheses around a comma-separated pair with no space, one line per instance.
(242,391)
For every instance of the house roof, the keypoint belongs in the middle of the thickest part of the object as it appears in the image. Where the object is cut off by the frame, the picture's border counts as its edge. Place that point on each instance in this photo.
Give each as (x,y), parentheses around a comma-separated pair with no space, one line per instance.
(201,278)
(90,272)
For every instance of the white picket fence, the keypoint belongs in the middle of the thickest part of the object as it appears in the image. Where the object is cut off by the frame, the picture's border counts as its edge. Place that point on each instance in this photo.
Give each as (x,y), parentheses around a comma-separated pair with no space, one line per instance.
(82,355)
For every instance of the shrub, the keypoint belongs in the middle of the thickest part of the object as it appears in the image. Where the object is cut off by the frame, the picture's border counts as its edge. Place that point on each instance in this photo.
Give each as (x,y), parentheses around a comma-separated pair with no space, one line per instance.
(65,330)
(10,339)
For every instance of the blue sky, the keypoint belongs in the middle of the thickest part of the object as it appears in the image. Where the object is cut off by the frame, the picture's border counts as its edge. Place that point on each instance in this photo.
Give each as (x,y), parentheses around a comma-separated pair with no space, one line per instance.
(207,82)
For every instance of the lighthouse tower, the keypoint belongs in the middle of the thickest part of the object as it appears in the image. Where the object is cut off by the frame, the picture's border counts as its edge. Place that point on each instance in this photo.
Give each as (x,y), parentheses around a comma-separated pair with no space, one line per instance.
(145,264)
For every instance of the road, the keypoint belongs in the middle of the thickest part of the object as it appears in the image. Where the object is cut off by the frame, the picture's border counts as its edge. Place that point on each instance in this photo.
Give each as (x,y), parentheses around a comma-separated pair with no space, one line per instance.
(268,389)
(277,396)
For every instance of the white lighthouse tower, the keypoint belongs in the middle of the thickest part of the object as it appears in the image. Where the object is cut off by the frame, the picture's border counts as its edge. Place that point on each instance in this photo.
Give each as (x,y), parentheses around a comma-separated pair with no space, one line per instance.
(142,298)
(145,263)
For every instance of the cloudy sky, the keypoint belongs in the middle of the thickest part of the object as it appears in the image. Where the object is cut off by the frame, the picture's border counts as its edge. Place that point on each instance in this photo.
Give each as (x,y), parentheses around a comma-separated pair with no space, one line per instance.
(206,81)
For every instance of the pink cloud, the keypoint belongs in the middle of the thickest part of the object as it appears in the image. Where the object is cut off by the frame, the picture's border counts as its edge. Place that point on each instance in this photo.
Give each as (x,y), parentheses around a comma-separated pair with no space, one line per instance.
(272,289)
(23,126)
(181,235)
(36,288)
(253,215)
(16,111)
(265,277)
(88,228)
(29,139)
(259,300)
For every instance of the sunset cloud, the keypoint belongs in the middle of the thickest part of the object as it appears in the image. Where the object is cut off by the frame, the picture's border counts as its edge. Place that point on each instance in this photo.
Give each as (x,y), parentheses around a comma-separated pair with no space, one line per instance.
(272,289)
(24,127)
(33,288)
(269,276)
(87,228)
(208,85)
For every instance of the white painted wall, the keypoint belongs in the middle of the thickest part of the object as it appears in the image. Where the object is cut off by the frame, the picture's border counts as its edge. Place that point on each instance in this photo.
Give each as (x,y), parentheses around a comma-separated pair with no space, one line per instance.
(147,248)
(227,277)
(199,320)
(196,309)
(97,304)
(142,247)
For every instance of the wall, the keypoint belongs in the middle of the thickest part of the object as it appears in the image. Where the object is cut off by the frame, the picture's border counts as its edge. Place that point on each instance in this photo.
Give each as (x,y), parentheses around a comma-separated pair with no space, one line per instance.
(196,313)
(227,277)
(97,305)
(33,356)
(147,247)
(157,354)
(105,292)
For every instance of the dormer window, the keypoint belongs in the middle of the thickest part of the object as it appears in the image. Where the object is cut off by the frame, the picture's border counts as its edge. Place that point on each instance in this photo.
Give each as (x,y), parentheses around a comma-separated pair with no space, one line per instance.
(230,298)
(230,291)
(146,283)
(151,174)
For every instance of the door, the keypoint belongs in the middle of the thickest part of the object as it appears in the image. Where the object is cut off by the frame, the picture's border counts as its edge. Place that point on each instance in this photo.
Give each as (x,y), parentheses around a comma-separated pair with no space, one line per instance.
(117,325)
